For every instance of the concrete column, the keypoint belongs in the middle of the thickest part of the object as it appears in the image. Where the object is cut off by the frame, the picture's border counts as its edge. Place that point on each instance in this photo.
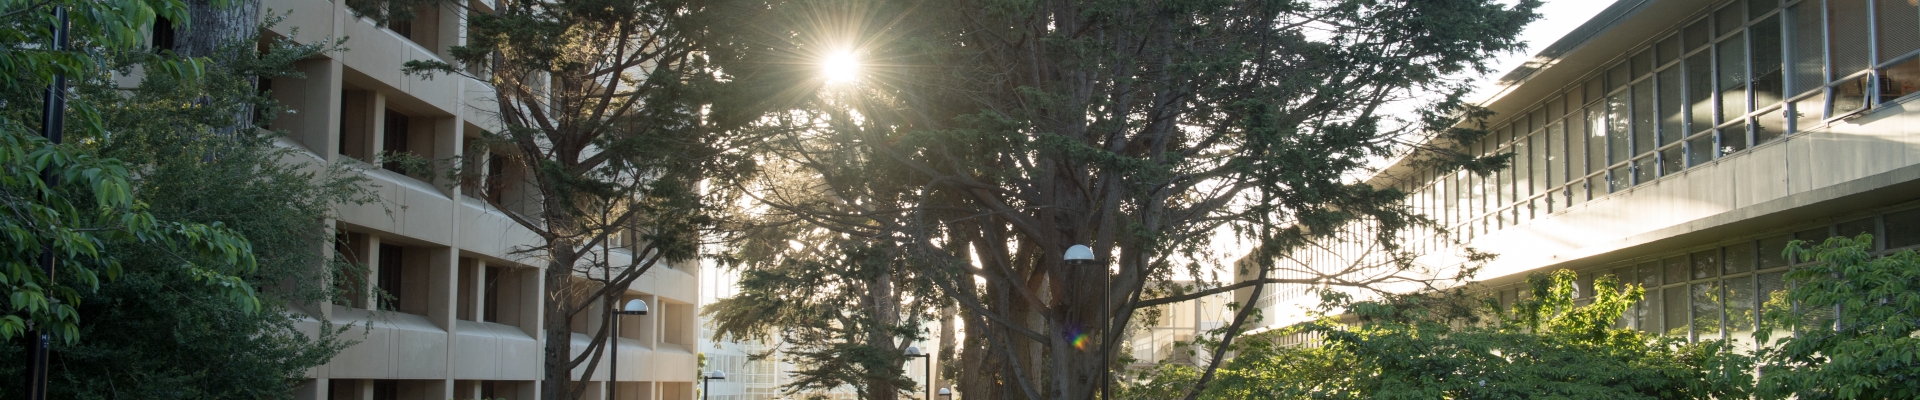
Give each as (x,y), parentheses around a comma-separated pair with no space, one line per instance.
(369,280)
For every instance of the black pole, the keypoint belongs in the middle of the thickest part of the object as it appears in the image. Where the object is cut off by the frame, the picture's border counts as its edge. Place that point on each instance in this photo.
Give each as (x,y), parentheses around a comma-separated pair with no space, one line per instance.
(929,376)
(613,372)
(1106,337)
(706,385)
(53,120)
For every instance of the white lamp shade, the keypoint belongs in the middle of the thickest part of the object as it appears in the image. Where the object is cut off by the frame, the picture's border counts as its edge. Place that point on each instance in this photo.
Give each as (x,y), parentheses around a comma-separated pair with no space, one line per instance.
(944,392)
(913,351)
(634,307)
(717,374)
(1079,252)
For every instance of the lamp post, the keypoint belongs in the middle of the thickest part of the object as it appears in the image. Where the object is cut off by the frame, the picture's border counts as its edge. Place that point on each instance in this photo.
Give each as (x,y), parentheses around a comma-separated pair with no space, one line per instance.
(1080,254)
(946,393)
(53,122)
(706,382)
(914,352)
(633,307)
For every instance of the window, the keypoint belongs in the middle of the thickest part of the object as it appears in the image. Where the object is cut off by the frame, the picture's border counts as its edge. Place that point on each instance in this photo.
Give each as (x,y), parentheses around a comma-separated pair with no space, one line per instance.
(1808,112)
(1806,48)
(1733,139)
(395,141)
(1700,150)
(1769,76)
(1643,125)
(1847,37)
(1898,26)
(162,39)
(356,129)
(1733,78)
(1671,107)
(1899,80)
(1596,138)
(1705,264)
(1700,91)
(1617,129)
(1769,126)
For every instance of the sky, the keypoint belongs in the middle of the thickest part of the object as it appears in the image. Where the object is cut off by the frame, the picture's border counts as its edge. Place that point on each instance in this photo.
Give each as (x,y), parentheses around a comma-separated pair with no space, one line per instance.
(1557,17)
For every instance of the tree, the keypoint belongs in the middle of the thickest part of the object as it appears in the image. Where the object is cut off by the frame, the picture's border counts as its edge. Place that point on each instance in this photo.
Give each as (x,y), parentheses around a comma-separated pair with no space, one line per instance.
(988,136)
(600,104)
(66,203)
(842,308)
(1846,325)
(1450,344)
(162,331)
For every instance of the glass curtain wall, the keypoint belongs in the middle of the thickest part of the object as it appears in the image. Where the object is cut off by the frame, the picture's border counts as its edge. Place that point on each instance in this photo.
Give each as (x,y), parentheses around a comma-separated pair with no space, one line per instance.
(1743,73)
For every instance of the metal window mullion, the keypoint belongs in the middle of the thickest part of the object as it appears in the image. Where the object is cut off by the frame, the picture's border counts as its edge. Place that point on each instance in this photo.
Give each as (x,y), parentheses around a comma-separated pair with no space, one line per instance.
(1826,60)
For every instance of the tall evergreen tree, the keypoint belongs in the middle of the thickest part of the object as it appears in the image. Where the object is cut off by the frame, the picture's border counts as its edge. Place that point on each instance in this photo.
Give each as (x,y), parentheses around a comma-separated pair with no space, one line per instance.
(994,134)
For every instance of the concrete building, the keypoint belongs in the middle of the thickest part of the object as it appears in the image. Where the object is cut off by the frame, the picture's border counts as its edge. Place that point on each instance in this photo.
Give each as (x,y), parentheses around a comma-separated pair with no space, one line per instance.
(1164,334)
(464,316)
(1681,144)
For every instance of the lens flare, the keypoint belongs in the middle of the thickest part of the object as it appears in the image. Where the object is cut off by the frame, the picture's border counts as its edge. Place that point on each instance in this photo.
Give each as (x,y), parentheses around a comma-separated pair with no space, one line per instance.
(841,67)
(1080,341)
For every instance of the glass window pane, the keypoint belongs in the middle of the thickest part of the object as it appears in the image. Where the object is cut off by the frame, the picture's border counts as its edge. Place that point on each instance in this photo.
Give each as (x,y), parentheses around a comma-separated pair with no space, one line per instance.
(1757,8)
(1706,310)
(1617,129)
(1773,292)
(1643,170)
(1739,257)
(1618,77)
(1596,138)
(1676,310)
(1899,28)
(1672,108)
(1620,178)
(1699,150)
(1899,80)
(1768,76)
(1771,250)
(1537,120)
(1648,274)
(1642,63)
(1676,268)
(1576,144)
(1672,160)
(1556,154)
(1808,47)
(1729,19)
(1577,191)
(1650,312)
(1902,228)
(1556,108)
(1698,35)
(1808,112)
(1538,166)
(1700,92)
(1850,96)
(1854,228)
(1769,126)
(1643,117)
(1733,78)
(1667,51)
(1704,263)
(1595,90)
(1847,37)
(1522,156)
(1733,139)
(1740,306)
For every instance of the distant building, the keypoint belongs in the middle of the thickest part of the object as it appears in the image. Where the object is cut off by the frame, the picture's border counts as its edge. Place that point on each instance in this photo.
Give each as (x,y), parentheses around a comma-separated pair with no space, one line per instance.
(1164,334)
(1680,144)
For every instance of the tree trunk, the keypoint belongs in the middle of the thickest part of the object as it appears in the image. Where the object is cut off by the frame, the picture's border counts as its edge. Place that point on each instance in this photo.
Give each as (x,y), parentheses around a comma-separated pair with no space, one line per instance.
(946,349)
(558,381)
(212,26)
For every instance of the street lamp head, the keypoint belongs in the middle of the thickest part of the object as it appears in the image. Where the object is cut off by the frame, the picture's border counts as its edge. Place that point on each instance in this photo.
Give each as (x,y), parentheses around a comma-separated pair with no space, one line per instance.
(716,375)
(914,352)
(946,392)
(1079,253)
(634,307)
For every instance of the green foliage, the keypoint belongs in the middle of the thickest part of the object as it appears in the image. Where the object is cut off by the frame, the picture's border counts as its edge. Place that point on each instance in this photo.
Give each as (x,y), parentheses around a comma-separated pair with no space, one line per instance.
(205,217)
(835,306)
(1854,324)
(91,208)
(1439,345)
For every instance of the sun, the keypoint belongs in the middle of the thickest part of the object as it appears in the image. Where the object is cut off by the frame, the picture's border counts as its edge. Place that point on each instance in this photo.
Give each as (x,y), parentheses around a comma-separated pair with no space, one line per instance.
(840,67)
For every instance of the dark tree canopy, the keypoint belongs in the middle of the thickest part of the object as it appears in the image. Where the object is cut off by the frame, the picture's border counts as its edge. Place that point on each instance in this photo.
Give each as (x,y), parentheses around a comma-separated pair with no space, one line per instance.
(988,136)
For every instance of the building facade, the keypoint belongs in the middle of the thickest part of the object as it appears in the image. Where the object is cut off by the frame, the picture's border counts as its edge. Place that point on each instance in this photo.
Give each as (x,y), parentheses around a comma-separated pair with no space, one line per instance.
(1681,144)
(458,314)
